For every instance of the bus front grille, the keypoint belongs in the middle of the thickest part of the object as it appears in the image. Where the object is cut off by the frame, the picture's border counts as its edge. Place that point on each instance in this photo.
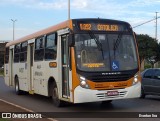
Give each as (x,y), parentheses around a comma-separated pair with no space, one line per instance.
(110,78)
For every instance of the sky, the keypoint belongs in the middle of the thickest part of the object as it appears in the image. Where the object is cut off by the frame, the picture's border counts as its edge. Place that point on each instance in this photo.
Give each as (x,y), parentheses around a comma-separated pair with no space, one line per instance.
(34,15)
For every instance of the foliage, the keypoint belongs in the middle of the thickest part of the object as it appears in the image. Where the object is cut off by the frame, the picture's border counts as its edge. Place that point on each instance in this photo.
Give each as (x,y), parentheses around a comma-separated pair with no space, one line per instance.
(1,72)
(1,59)
(2,119)
(147,66)
(149,49)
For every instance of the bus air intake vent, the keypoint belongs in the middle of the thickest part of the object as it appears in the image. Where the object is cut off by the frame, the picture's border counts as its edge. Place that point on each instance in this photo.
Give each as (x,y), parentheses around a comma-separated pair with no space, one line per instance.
(110,78)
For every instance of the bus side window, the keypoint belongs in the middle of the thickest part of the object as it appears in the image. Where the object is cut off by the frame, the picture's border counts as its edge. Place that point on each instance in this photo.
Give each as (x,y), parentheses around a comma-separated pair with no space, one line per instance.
(16,53)
(39,49)
(51,47)
(7,55)
(23,54)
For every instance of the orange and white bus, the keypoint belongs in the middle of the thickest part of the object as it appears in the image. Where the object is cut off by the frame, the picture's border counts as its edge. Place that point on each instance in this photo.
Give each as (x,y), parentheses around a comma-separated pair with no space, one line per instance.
(77,61)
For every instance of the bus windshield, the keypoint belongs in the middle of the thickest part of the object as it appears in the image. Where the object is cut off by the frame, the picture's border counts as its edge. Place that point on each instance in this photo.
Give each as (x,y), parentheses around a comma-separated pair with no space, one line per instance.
(105,52)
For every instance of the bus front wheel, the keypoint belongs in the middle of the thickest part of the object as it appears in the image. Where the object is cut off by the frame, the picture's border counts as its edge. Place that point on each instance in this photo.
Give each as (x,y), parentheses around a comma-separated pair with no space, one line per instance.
(55,98)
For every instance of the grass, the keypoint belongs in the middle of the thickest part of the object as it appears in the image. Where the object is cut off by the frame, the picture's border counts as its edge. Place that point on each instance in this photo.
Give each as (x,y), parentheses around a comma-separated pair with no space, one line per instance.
(2,72)
(1,119)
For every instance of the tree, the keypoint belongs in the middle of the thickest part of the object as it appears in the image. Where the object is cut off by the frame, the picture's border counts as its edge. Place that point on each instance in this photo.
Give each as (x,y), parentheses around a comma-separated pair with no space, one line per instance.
(149,49)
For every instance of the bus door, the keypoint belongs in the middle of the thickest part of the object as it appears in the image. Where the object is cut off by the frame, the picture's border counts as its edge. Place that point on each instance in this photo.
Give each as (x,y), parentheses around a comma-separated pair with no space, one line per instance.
(65,66)
(11,67)
(30,68)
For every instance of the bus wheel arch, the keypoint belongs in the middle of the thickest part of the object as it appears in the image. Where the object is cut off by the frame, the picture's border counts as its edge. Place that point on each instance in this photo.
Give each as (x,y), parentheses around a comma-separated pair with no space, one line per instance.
(51,81)
(53,92)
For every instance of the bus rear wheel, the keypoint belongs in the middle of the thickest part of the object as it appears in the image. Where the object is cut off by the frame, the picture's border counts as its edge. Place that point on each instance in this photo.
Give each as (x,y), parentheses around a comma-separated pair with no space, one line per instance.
(17,89)
(55,98)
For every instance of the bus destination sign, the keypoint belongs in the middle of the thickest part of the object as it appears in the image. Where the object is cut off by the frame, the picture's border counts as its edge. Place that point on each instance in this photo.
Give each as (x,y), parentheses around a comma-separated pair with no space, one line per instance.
(101,27)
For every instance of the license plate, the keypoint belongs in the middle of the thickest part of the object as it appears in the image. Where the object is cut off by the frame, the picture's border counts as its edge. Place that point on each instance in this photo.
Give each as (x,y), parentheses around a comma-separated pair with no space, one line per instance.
(112,93)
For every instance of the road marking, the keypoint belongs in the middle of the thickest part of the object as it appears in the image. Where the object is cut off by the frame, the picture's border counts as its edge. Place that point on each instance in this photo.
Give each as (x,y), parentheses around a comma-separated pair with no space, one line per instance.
(28,110)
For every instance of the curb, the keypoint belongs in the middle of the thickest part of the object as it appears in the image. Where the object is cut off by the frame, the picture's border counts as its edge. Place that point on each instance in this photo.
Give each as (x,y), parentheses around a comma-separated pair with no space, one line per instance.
(17,106)
(28,110)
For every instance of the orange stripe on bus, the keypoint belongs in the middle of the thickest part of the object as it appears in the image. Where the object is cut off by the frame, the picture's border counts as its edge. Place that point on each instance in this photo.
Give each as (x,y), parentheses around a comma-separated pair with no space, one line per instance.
(75,80)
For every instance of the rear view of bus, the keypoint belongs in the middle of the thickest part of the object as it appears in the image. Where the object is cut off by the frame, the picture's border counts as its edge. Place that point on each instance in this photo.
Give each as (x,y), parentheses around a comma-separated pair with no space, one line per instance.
(106,61)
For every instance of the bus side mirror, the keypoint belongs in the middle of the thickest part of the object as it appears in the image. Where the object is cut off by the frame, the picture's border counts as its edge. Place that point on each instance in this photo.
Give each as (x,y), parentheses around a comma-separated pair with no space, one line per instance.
(71,41)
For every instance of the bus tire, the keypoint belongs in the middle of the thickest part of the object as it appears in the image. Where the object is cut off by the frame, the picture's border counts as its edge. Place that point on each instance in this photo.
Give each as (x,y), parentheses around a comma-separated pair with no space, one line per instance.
(17,89)
(55,98)
(142,93)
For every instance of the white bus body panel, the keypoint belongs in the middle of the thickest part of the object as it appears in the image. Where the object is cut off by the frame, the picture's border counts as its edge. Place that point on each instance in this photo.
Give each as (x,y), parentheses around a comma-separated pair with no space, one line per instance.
(29,67)
(6,73)
(10,68)
(20,69)
(31,41)
(42,72)
(82,95)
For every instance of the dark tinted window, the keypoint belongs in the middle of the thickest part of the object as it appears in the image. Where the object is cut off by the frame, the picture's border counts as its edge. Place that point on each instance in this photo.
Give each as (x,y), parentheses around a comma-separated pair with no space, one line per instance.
(39,43)
(16,53)
(51,47)
(149,73)
(39,49)
(23,53)
(7,55)
(157,74)
(24,47)
(17,48)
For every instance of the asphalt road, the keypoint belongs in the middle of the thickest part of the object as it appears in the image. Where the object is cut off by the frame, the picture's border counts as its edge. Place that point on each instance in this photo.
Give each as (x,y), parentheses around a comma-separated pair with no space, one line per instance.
(125,107)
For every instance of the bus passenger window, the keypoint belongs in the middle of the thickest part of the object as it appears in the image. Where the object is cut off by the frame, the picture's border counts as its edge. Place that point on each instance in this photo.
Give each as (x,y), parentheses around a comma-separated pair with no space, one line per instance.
(51,47)
(16,53)
(39,49)
(7,55)
(23,54)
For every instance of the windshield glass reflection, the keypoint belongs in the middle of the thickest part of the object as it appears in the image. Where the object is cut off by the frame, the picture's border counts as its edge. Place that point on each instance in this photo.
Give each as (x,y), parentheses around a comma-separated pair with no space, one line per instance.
(105,52)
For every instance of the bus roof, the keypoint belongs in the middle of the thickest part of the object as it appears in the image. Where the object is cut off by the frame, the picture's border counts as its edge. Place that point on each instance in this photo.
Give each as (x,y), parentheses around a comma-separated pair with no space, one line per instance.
(40,33)
(65,24)
(101,20)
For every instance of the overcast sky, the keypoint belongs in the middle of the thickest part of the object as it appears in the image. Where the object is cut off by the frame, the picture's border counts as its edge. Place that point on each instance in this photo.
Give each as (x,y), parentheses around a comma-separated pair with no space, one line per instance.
(34,15)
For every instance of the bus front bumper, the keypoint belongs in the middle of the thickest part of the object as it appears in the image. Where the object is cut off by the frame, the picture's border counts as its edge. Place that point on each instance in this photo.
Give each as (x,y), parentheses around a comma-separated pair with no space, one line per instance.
(82,95)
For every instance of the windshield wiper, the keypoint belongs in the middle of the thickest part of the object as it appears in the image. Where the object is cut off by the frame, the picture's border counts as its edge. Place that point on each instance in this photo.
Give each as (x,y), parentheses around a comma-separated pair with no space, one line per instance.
(99,44)
(118,41)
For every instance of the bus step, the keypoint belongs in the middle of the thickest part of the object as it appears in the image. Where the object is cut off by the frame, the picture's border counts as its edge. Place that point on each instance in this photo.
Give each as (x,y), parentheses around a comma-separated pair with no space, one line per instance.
(31,92)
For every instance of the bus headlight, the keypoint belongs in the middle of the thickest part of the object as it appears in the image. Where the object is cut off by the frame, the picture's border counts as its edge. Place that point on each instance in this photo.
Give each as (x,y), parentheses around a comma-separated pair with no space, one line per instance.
(83,82)
(135,80)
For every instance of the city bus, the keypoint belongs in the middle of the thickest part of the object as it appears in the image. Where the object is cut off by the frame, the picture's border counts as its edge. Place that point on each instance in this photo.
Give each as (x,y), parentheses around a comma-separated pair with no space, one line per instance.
(76,61)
